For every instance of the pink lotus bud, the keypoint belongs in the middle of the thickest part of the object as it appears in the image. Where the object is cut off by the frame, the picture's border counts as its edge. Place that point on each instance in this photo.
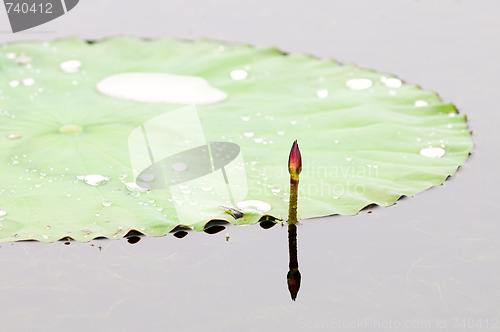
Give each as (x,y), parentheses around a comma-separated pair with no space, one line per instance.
(295,161)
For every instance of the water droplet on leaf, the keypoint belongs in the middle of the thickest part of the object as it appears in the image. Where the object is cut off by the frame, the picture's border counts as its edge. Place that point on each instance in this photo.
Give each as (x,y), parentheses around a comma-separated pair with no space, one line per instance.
(253,206)
(96,180)
(432,152)
(179,167)
(421,103)
(359,83)
(322,93)
(71,66)
(239,74)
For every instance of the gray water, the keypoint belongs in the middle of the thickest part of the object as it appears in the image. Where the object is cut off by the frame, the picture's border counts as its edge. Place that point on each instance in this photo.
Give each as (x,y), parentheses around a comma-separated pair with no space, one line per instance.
(429,263)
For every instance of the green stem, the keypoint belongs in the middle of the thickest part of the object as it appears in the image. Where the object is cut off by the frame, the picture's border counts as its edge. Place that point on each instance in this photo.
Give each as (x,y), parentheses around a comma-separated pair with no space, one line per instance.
(292,206)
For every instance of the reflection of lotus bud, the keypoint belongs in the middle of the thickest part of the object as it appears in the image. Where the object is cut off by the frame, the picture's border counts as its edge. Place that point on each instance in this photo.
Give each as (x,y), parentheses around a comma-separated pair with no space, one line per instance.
(295,161)
(293,280)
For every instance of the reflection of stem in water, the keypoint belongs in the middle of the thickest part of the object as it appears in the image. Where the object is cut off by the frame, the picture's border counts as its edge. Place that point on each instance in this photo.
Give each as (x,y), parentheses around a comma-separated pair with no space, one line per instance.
(294,168)
(293,275)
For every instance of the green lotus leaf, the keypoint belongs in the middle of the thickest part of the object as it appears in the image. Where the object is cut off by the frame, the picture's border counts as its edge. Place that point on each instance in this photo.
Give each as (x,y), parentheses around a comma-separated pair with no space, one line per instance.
(84,156)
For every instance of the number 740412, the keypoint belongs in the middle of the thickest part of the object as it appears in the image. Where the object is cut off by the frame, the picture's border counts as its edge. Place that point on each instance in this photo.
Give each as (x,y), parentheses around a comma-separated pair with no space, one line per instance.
(42,8)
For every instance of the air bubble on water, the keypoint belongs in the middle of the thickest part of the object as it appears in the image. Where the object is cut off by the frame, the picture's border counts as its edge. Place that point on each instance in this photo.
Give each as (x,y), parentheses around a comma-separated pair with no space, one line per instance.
(14,83)
(28,81)
(421,103)
(147,177)
(432,152)
(239,74)
(391,82)
(179,167)
(106,203)
(323,93)
(71,66)
(248,134)
(96,179)
(359,83)
(253,206)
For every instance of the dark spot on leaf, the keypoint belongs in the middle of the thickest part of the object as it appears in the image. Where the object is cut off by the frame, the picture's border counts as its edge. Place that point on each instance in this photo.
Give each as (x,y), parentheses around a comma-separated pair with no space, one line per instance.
(67,243)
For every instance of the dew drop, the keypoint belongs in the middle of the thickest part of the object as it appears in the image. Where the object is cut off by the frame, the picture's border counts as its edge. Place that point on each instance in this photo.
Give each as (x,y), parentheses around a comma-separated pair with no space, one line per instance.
(258,140)
(2,212)
(14,83)
(359,83)
(432,152)
(23,59)
(206,188)
(421,103)
(96,180)
(348,158)
(452,114)
(11,55)
(134,187)
(281,133)
(245,118)
(147,177)
(161,88)
(253,206)
(71,66)
(28,81)
(248,134)
(275,191)
(391,82)
(106,203)
(239,74)
(322,93)
(179,167)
